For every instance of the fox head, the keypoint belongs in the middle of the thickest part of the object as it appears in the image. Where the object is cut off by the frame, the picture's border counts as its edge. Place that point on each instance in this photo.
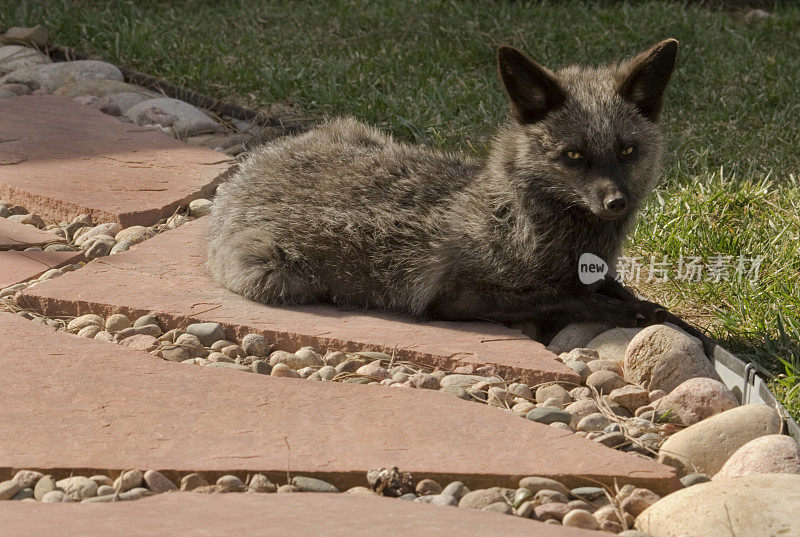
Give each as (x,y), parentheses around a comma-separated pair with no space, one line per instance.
(586,137)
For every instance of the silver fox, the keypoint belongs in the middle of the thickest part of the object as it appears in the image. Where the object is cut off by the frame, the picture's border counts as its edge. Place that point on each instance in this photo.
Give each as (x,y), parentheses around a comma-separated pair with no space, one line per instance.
(345,214)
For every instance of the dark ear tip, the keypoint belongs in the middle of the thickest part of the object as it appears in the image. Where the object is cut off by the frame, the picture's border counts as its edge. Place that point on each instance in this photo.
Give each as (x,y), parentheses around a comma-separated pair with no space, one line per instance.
(505,51)
(670,45)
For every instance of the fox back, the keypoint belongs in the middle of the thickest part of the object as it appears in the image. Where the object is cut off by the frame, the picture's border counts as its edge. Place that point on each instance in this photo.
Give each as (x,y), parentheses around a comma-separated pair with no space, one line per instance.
(346,214)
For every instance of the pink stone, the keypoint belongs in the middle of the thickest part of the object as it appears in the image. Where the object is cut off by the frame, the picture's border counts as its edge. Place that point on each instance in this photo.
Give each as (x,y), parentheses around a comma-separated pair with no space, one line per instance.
(67,159)
(85,395)
(16,236)
(697,399)
(771,454)
(166,275)
(187,514)
(16,267)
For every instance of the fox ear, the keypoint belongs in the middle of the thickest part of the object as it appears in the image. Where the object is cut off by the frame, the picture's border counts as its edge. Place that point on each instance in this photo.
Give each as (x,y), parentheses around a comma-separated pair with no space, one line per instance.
(533,89)
(643,79)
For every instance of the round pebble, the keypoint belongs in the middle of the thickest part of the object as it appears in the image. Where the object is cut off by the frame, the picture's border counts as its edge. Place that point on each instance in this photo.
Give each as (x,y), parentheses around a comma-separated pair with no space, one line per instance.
(283,370)
(230,481)
(578,518)
(548,415)
(207,333)
(255,345)
(116,322)
(427,487)
(200,207)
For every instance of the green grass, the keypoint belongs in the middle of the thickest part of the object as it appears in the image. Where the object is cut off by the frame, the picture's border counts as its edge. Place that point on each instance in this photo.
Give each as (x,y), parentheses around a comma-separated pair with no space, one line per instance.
(425,71)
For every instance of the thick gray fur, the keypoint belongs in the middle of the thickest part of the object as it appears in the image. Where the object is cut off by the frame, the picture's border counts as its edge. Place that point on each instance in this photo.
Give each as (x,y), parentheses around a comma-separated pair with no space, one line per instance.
(347,215)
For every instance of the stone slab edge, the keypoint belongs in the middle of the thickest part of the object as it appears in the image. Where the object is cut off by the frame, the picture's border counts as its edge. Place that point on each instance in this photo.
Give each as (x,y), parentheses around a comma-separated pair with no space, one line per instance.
(610,470)
(185,514)
(53,210)
(58,308)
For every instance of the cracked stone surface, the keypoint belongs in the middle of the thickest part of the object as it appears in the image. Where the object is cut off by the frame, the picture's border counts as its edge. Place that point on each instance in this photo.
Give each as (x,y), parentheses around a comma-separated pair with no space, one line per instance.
(166,276)
(69,404)
(59,159)
(301,514)
(16,236)
(16,267)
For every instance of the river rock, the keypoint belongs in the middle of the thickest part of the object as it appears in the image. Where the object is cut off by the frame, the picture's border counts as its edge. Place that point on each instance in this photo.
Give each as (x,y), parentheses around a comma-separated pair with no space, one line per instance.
(578,518)
(536,483)
(575,335)
(158,482)
(605,382)
(630,397)
(638,500)
(461,381)
(705,446)
(312,484)
(593,422)
(771,454)
(580,409)
(15,57)
(478,499)
(551,510)
(373,369)
(611,345)
(189,120)
(543,393)
(35,36)
(751,505)
(697,399)
(207,333)
(581,369)
(134,234)
(77,487)
(661,358)
(83,321)
(192,481)
(51,76)
(580,354)
(456,489)
(200,207)
(83,234)
(549,415)
(128,480)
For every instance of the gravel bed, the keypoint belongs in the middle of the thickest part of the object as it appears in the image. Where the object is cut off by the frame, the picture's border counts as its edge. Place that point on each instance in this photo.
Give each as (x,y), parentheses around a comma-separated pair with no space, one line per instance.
(538,498)
(94,240)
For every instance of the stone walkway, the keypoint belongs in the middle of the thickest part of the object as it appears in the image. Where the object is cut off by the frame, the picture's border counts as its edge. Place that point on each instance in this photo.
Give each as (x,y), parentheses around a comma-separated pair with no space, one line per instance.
(339,515)
(72,405)
(63,159)
(91,395)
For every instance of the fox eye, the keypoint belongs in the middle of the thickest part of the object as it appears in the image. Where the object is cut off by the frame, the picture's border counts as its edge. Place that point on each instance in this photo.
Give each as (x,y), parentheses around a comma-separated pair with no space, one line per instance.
(574,155)
(626,151)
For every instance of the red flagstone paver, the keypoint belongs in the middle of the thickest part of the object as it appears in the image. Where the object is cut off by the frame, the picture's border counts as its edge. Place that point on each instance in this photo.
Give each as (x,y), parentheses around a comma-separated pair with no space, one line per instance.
(16,267)
(16,236)
(166,275)
(60,159)
(186,514)
(69,404)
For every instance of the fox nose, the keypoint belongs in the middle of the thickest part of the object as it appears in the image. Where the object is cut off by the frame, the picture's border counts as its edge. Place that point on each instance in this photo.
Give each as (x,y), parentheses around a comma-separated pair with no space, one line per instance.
(616,203)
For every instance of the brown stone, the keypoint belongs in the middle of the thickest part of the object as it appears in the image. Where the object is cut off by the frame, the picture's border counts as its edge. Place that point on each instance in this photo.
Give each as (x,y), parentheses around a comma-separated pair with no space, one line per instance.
(67,159)
(16,236)
(16,267)
(300,515)
(166,276)
(89,395)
